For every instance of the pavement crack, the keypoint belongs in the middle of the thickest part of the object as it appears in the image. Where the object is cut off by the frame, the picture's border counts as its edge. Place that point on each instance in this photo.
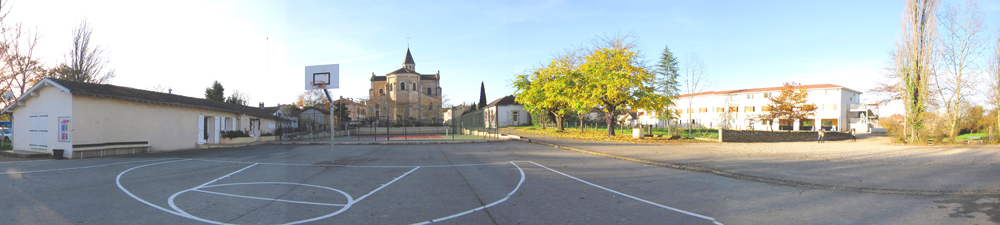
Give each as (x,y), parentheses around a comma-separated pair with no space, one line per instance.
(481,202)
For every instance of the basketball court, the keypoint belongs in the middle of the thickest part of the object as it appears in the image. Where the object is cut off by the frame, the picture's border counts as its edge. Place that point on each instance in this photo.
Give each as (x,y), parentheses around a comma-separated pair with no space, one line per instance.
(358,184)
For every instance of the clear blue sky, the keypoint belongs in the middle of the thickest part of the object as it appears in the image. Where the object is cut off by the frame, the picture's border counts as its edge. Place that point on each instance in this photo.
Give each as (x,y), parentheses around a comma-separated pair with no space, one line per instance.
(261,47)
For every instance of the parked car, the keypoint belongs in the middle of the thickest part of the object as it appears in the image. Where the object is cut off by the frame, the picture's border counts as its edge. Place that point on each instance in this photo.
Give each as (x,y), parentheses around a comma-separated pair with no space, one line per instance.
(6,134)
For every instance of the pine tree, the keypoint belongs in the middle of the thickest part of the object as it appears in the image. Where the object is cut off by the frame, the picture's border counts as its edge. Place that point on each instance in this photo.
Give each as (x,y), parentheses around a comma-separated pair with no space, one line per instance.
(482,95)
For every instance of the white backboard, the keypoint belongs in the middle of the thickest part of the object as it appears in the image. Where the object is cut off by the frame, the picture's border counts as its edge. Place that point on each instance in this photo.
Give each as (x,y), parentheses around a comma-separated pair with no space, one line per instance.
(329,74)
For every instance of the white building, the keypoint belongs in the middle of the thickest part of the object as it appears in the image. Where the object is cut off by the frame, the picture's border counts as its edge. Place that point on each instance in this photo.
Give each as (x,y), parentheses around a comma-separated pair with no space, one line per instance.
(837,109)
(505,112)
(80,117)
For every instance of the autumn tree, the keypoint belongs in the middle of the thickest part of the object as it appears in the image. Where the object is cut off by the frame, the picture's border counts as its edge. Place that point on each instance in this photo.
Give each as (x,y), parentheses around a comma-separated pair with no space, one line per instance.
(215,92)
(614,77)
(961,45)
(791,104)
(914,60)
(85,61)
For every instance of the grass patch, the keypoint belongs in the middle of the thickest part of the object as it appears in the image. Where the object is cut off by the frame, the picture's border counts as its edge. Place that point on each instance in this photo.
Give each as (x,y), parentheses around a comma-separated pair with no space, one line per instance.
(6,146)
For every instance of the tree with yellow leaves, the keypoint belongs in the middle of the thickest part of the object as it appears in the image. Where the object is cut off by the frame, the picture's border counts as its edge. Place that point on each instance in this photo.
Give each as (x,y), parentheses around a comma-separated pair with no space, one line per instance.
(791,104)
(613,77)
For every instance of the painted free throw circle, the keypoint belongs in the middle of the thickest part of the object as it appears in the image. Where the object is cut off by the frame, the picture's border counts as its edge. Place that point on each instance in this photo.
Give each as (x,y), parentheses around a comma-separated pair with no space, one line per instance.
(344,207)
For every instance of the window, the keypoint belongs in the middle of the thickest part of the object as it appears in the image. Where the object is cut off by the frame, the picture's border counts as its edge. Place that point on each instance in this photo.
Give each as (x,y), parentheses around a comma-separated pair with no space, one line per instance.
(414,87)
(513,116)
(748,109)
(428,91)
(734,109)
(430,107)
(749,96)
(704,110)
(381,91)
(766,108)
(719,109)
(402,86)
(830,107)
(767,95)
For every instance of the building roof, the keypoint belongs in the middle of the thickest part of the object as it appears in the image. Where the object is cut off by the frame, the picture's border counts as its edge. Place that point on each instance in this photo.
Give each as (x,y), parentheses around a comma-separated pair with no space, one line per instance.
(377,78)
(324,111)
(810,86)
(409,58)
(506,100)
(429,77)
(127,93)
(346,101)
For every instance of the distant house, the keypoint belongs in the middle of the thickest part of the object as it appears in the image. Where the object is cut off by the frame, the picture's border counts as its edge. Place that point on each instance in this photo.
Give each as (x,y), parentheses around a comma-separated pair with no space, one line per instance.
(505,112)
(314,119)
(355,110)
(76,117)
(287,119)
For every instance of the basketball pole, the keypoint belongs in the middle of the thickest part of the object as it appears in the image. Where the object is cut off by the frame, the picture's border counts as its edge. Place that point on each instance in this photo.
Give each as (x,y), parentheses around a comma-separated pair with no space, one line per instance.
(333,134)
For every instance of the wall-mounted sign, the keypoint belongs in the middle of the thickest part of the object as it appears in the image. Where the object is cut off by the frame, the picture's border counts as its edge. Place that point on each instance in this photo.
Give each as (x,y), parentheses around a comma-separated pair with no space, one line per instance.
(64,129)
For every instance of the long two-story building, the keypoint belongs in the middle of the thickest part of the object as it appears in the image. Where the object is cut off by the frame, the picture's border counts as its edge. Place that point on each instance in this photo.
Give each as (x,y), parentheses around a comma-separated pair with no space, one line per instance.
(838,109)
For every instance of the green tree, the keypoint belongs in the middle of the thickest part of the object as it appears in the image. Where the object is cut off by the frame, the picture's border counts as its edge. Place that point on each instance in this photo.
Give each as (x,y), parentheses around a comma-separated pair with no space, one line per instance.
(341,112)
(215,92)
(482,95)
(667,84)
(614,78)
(791,104)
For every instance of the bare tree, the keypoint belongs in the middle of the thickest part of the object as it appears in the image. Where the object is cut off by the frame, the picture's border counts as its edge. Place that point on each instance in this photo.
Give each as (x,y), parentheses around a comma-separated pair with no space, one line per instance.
(20,69)
(994,76)
(961,44)
(695,80)
(914,60)
(85,61)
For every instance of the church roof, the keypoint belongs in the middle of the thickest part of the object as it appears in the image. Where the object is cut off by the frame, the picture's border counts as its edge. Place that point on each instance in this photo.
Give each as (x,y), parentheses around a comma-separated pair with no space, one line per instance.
(409,58)
(403,70)
(378,78)
(428,77)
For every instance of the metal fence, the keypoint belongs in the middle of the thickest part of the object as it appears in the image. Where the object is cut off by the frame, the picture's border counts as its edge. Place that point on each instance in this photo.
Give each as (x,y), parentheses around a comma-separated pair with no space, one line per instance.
(477,123)
(470,126)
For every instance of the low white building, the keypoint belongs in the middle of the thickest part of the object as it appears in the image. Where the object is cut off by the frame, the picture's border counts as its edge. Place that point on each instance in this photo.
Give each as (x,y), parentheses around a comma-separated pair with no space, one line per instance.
(76,117)
(838,109)
(505,112)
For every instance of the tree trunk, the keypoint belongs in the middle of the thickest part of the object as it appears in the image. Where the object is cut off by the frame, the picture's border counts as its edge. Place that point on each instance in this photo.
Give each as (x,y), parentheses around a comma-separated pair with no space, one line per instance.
(559,121)
(544,118)
(611,126)
(581,123)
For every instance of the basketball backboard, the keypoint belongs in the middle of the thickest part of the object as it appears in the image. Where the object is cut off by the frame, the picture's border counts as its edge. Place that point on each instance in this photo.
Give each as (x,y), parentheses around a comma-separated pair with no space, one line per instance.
(327,75)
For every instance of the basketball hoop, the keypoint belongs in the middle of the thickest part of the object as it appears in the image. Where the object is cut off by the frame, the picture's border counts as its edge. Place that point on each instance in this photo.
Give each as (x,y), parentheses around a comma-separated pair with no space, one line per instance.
(319,84)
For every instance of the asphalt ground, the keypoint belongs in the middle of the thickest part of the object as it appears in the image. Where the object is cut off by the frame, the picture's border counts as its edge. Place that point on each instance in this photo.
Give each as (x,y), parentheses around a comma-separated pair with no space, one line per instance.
(486,183)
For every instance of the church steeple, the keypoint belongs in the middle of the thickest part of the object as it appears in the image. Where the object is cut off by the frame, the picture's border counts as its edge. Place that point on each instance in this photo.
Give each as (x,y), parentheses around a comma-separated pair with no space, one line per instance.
(408,63)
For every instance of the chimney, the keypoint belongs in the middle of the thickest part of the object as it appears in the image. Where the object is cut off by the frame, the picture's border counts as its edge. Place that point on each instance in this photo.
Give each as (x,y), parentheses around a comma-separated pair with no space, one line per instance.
(262,105)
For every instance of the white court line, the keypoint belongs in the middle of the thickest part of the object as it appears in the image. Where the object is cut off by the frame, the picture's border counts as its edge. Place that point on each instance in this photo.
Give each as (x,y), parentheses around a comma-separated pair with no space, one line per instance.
(311,165)
(76,168)
(386,184)
(44,160)
(170,201)
(633,197)
(481,207)
(269,199)
(118,181)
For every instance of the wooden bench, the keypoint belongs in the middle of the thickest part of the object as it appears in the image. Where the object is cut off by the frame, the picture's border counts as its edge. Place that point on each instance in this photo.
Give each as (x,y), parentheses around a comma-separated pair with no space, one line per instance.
(974,138)
(117,147)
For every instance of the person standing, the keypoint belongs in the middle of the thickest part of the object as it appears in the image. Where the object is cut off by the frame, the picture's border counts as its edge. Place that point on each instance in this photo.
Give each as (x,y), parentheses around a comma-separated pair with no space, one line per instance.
(852,135)
(820,133)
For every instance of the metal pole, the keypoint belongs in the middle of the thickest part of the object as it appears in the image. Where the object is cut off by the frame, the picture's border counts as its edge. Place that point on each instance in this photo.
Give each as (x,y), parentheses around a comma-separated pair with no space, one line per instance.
(332,131)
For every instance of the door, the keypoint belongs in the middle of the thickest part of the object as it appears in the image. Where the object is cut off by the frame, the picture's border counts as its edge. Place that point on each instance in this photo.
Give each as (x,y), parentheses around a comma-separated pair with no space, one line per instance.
(202,127)
(38,131)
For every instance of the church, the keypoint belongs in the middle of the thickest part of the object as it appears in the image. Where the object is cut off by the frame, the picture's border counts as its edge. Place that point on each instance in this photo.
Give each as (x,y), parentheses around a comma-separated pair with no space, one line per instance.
(404,93)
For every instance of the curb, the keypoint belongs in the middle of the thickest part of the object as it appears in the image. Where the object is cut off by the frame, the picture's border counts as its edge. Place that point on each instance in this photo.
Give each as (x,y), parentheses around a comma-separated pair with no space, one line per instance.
(385,143)
(774,181)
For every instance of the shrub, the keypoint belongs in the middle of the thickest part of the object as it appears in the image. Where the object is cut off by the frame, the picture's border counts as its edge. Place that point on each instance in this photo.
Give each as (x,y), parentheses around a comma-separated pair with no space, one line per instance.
(234,134)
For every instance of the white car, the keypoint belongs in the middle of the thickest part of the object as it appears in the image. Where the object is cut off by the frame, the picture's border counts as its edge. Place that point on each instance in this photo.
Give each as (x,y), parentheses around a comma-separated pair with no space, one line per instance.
(6,134)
